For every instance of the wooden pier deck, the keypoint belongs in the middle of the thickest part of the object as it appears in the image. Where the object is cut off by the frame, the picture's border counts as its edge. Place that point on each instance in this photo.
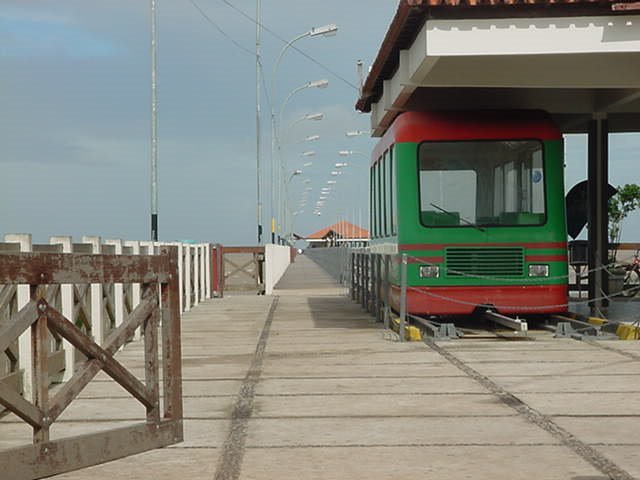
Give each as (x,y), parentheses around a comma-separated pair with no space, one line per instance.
(302,385)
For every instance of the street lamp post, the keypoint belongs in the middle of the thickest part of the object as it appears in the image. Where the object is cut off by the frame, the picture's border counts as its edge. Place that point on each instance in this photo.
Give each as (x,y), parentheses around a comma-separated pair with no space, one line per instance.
(285,222)
(347,153)
(154,122)
(280,211)
(323,31)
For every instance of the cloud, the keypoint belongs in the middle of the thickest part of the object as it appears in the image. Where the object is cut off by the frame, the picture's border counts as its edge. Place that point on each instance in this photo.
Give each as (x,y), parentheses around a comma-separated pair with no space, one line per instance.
(29,34)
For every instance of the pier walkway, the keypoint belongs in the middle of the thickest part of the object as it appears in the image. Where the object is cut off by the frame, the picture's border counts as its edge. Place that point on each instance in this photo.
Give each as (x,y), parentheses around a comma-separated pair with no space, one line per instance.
(302,385)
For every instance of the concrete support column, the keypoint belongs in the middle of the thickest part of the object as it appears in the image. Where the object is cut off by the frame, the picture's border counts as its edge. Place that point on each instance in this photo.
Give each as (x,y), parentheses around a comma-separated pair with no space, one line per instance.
(66,301)
(23,295)
(598,217)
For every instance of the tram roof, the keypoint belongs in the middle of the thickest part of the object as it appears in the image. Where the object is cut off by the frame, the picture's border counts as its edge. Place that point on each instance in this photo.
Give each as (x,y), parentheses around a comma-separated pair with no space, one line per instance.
(572,58)
(460,126)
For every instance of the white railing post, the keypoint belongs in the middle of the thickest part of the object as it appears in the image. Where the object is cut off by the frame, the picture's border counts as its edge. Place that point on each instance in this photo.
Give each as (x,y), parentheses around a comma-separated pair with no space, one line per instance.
(181,275)
(135,287)
(187,277)
(207,269)
(97,297)
(23,295)
(196,275)
(66,302)
(118,288)
(203,288)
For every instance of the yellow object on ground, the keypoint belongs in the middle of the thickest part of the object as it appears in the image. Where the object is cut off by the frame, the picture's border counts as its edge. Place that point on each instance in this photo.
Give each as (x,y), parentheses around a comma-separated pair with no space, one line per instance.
(623,331)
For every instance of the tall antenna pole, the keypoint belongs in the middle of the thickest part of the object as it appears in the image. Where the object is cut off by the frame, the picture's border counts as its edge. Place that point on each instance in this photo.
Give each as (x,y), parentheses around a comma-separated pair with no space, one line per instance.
(154,124)
(258,78)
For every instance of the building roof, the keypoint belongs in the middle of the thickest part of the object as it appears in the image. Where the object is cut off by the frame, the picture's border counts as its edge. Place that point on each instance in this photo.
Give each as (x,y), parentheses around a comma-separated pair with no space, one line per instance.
(343,229)
(412,14)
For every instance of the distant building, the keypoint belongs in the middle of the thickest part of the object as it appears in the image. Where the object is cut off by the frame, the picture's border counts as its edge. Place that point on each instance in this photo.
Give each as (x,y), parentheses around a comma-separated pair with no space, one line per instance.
(339,234)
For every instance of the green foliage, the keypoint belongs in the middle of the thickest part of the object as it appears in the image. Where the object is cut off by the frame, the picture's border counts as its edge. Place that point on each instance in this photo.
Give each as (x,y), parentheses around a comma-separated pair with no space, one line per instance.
(625,201)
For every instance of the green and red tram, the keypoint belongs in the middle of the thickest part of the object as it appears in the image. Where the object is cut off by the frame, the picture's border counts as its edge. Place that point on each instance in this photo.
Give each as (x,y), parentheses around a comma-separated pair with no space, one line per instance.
(476,202)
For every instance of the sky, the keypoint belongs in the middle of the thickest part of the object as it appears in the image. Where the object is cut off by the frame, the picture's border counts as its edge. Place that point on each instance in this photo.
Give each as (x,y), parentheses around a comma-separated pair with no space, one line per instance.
(75,116)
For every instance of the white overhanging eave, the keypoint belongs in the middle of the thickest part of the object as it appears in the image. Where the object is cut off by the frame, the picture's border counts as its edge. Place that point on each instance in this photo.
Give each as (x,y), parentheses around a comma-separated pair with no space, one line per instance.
(541,59)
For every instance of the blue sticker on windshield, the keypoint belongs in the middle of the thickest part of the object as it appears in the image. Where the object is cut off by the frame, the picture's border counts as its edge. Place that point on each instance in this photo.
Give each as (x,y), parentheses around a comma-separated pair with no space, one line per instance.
(536,176)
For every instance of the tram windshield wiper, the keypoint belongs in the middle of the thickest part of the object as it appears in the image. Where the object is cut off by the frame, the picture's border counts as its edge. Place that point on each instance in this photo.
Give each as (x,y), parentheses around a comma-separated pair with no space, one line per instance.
(468,222)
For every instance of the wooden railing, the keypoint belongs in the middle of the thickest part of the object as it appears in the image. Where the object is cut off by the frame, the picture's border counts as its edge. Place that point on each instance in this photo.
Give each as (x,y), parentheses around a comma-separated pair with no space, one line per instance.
(44,306)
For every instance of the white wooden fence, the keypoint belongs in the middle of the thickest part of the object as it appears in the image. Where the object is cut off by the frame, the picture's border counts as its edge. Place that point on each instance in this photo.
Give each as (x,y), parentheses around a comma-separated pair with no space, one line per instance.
(97,309)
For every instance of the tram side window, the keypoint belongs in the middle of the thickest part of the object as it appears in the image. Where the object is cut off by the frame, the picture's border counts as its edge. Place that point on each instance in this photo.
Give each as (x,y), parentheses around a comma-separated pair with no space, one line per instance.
(384,196)
(519,190)
(394,191)
(376,199)
(492,183)
(389,194)
(372,202)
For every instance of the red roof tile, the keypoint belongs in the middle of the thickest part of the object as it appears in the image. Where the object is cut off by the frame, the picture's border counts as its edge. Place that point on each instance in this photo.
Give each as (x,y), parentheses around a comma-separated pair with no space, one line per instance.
(343,228)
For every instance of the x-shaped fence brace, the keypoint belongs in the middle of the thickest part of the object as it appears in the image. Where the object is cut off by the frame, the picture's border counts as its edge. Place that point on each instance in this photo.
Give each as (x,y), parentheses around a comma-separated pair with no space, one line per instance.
(157,310)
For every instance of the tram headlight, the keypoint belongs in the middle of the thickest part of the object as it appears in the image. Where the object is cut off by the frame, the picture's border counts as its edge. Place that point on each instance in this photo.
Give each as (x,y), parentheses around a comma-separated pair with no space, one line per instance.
(538,270)
(429,271)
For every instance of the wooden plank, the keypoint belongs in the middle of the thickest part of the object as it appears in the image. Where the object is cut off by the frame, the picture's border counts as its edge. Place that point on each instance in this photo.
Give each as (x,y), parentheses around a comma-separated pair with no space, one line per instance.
(171,349)
(72,387)
(14,402)
(56,363)
(152,367)
(13,326)
(6,293)
(226,250)
(59,268)
(111,366)
(84,373)
(12,353)
(37,461)
(40,352)
(118,336)
(13,381)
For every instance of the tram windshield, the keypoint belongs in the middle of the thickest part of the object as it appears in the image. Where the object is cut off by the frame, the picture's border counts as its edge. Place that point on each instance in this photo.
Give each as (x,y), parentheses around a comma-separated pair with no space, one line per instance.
(482,183)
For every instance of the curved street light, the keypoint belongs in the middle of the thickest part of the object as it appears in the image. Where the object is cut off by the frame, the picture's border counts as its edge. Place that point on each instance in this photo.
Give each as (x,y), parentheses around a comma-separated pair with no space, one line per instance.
(346,153)
(323,31)
(280,201)
(315,84)
(357,133)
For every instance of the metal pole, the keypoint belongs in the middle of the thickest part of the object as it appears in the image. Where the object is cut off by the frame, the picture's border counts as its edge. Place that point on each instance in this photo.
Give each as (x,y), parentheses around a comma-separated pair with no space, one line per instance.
(258,140)
(387,260)
(378,288)
(353,277)
(598,169)
(403,296)
(154,123)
